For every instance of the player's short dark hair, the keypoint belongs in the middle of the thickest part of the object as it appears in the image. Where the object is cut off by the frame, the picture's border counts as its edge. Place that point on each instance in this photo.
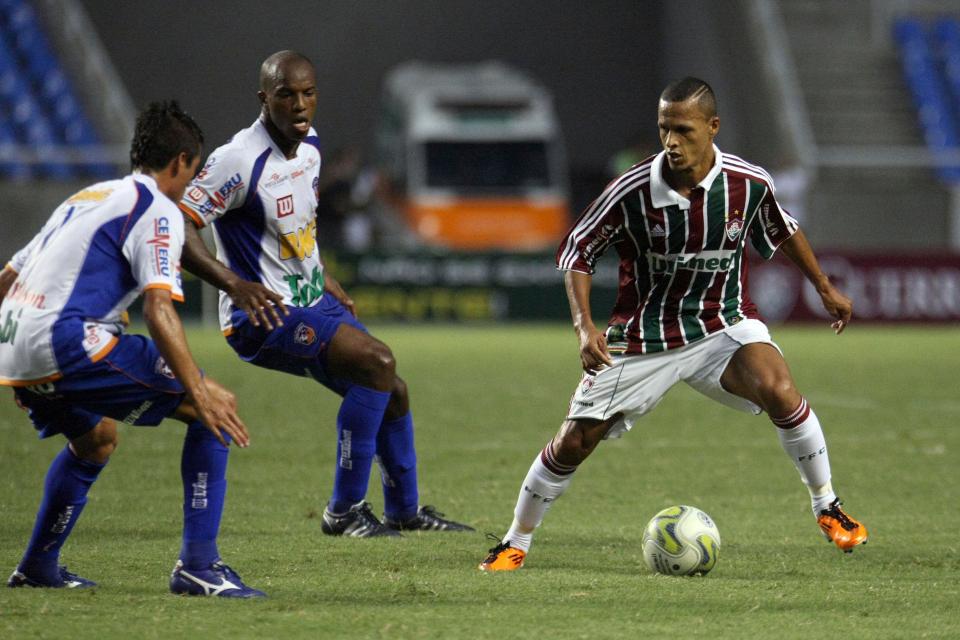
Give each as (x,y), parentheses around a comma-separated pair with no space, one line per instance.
(690,87)
(163,132)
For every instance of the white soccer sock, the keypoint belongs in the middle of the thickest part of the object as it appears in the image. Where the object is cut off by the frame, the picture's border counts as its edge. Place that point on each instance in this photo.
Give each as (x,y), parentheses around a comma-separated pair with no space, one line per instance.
(545,482)
(802,438)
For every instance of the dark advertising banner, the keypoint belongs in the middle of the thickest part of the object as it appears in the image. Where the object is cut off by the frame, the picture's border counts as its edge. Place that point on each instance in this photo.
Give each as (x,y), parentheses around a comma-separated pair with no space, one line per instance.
(884,288)
(477,287)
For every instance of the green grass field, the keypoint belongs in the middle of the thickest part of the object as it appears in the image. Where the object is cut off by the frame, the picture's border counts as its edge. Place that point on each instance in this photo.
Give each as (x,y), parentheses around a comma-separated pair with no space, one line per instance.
(485,401)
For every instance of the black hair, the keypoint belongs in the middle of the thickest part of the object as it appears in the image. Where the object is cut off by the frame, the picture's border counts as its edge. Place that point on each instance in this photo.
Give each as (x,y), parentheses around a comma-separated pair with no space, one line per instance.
(690,87)
(163,132)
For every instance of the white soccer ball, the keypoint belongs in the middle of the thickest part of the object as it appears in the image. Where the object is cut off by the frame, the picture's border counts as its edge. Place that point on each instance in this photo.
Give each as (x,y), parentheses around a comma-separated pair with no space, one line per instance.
(681,541)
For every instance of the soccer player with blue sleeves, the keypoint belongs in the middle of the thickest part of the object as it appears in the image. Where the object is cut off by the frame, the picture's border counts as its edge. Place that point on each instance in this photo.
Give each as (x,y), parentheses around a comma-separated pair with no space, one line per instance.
(72,367)
(259,192)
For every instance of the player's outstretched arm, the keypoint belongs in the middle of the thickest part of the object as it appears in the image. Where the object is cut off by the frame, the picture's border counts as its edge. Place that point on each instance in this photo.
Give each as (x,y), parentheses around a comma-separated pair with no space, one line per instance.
(258,302)
(7,277)
(212,404)
(593,344)
(839,306)
(330,284)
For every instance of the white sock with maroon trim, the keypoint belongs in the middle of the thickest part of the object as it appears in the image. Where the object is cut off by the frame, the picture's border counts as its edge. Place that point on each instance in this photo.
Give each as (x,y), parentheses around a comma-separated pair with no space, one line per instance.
(545,482)
(802,438)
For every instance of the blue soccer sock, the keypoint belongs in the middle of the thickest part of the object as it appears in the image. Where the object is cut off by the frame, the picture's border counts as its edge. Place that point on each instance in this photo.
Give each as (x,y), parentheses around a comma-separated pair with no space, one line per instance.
(398,467)
(203,467)
(64,495)
(357,424)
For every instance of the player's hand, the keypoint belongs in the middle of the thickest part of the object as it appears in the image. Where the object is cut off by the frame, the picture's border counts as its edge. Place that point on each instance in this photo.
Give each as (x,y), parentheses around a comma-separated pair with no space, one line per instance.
(334,288)
(217,409)
(259,303)
(839,306)
(593,350)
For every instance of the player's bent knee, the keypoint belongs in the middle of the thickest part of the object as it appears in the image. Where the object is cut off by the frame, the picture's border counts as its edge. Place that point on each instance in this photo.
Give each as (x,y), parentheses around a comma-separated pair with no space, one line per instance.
(98,444)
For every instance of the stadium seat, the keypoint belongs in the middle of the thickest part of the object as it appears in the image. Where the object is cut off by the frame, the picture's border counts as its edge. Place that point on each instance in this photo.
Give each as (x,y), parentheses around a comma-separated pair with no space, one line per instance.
(41,107)
(931,97)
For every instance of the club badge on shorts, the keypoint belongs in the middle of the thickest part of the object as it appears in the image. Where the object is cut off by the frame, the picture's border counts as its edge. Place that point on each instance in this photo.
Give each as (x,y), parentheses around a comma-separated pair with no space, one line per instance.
(304,334)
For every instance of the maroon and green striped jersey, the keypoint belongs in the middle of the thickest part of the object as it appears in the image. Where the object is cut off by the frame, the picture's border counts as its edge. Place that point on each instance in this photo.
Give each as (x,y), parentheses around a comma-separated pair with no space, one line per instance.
(683,273)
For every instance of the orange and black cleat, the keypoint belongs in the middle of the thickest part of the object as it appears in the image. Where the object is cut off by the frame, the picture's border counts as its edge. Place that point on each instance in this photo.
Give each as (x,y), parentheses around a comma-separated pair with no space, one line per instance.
(841,529)
(503,557)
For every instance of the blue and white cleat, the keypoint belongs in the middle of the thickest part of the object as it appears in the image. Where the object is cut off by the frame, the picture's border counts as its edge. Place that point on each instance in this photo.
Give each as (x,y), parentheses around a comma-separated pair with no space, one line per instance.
(66,580)
(217,580)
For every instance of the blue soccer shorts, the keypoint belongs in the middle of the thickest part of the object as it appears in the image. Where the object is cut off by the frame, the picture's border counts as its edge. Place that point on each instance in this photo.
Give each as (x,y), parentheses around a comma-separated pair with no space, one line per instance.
(300,345)
(132,384)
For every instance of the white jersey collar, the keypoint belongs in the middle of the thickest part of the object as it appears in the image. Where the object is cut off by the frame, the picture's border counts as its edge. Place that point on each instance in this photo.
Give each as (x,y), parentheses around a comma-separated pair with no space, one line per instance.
(662,195)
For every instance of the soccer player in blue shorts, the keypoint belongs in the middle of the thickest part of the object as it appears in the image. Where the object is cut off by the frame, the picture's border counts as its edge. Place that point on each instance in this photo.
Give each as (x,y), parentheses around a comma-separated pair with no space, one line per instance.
(281,310)
(72,367)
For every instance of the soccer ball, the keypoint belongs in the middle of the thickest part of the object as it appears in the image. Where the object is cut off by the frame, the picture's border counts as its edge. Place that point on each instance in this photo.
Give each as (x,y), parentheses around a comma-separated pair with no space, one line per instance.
(681,541)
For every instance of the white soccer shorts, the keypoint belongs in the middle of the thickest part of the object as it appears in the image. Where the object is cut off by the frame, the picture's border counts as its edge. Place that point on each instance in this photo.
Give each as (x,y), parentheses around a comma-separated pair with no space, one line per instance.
(635,384)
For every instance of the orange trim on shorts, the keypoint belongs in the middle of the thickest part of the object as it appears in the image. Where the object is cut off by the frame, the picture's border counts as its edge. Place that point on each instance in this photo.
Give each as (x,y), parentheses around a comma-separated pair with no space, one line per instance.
(26,383)
(197,220)
(227,332)
(100,355)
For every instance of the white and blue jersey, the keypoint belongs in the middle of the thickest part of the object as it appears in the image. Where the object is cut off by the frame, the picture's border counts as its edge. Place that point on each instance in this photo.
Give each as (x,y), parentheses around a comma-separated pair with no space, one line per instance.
(263,210)
(98,251)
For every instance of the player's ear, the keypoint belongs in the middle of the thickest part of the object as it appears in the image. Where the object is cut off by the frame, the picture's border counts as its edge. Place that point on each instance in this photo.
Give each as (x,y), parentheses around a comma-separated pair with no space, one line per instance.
(714,126)
(180,163)
(262,98)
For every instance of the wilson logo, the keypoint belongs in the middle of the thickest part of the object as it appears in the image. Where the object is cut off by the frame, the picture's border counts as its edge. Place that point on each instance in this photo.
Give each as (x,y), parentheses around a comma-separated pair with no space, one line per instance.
(285,206)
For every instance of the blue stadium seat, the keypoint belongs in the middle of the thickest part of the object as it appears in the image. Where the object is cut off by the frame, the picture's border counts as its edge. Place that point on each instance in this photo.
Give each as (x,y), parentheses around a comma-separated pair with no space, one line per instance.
(940,128)
(41,105)
(947,38)
(9,167)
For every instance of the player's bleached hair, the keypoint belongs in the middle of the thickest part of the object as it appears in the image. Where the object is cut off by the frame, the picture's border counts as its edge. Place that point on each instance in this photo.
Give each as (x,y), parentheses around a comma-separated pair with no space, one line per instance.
(163,132)
(271,71)
(690,87)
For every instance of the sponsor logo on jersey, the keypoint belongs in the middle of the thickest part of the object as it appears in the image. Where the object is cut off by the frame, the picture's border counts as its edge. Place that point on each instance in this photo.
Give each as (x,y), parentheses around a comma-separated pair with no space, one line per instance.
(299,244)
(90,195)
(160,243)
(212,160)
(769,224)
(285,206)
(303,294)
(8,331)
(304,334)
(606,232)
(657,231)
(722,260)
(219,197)
(91,336)
(275,179)
(196,194)
(20,293)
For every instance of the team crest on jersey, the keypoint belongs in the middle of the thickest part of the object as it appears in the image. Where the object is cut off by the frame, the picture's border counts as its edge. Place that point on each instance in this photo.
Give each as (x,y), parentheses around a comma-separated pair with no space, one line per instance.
(285,206)
(586,384)
(304,334)
(734,225)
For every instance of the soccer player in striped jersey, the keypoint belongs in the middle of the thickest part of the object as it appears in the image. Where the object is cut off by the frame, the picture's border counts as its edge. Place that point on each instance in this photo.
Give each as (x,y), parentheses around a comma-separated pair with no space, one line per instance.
(280,309)
(64,351)
(680,221)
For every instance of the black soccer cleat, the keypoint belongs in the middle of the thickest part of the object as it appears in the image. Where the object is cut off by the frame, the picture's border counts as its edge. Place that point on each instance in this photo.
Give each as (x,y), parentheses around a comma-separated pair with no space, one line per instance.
(426,519)
(358,522)
(65,580)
